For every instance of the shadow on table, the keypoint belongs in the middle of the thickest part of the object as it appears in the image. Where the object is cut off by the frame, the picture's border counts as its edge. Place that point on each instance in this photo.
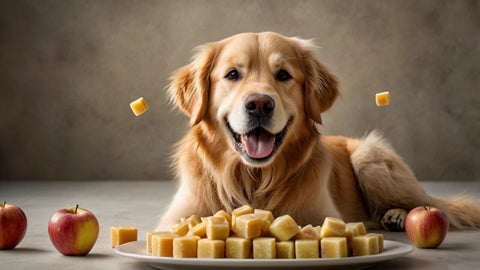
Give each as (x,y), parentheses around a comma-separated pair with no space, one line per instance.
(133,266)
(26,250)
(457,246)
(406,262)
(99,255)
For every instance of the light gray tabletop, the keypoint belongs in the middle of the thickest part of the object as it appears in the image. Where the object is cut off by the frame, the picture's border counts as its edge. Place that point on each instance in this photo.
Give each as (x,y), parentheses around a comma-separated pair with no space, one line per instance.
(140,203)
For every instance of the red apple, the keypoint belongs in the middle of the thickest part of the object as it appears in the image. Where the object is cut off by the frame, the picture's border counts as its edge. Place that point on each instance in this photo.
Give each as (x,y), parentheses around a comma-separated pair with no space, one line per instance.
(73,231)
(426,226)
(13,225)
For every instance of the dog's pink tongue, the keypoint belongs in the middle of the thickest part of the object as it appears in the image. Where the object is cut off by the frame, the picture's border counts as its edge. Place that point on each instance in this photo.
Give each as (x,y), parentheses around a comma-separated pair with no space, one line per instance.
(259,143)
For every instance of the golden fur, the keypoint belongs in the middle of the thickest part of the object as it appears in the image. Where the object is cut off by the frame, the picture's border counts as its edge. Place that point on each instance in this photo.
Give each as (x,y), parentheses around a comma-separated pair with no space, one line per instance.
(308,176)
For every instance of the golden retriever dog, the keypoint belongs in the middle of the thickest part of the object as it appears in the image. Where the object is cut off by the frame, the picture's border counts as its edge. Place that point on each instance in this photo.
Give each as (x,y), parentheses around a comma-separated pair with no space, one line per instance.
(255,102)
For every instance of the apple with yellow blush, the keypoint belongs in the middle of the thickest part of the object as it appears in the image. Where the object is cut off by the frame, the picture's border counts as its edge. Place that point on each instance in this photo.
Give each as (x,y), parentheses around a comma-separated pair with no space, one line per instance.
(73,231)
(426,226)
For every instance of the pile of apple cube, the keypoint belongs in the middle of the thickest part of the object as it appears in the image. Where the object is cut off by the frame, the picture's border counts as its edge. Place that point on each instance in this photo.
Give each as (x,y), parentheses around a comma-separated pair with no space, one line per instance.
(249,233)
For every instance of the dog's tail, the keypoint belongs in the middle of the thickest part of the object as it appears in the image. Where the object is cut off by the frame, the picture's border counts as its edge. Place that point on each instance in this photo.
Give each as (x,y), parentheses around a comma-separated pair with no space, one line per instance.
(388,183)
(461,211)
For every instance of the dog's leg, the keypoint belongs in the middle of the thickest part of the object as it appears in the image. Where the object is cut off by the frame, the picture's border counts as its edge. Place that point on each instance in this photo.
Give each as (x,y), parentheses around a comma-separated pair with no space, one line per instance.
(387,183)
(385,180)
(394,220)
(183,204)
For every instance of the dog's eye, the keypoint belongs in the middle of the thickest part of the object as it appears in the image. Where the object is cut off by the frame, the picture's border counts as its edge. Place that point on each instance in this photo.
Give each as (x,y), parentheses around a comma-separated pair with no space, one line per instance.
(282,75)
(233,75)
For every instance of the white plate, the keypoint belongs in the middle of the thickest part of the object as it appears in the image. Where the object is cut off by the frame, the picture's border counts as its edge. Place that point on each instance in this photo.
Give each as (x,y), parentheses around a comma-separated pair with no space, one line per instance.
(136,251)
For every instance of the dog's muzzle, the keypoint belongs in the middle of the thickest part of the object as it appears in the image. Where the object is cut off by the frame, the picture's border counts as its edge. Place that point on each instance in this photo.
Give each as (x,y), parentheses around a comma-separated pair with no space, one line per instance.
(258,144)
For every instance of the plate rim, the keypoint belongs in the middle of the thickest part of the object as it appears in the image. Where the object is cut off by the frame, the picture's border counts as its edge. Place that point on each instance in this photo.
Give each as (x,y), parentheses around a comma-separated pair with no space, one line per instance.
(394,249)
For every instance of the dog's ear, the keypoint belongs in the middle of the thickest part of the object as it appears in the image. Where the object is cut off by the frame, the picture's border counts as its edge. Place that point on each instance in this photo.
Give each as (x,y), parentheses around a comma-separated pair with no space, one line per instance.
(190,85)
(320,86)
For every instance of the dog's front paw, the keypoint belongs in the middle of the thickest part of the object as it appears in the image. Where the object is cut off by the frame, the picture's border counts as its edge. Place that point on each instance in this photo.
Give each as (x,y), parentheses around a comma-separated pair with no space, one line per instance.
(394,220)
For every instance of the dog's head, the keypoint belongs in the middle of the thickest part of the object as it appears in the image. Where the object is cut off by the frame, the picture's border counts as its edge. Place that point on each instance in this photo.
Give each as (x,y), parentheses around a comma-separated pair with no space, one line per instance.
(258,89)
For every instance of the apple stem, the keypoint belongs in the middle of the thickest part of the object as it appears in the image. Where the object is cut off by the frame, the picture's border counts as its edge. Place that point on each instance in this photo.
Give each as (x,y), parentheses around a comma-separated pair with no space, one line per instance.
(4,204)
(76,207)
(427,208)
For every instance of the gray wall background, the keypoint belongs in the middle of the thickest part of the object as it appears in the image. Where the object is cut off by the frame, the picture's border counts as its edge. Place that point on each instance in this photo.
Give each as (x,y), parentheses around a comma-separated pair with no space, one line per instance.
(69,69)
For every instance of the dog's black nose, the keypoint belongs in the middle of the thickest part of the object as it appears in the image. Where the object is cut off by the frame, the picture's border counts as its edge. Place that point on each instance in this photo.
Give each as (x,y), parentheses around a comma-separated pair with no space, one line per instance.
(259,105)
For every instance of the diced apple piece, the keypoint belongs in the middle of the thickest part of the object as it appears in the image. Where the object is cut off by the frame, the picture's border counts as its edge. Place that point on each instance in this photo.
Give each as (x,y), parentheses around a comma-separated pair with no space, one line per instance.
(307,249)
(238,248)
(286,250)
(264,248)
(139,106)
(162,245)
(334,247)
(185,246)
(248,226)
(211,249)
(364,245)
(332,227)
(308,232)
(122,234)
(284,228)
(224,214)
(383,98)
(242,210)
(149,236)
(217,228)
(267,218)
(380,240)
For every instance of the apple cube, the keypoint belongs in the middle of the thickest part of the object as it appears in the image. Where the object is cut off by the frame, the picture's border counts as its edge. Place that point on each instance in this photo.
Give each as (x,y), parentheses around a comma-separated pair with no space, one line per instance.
(211,249)
(185,246)
(248,226)
(266,217)
(149,236)
(264,248)
(383,98)
(307,249)
(217,228)
(334,247)
(364,245)
(284,228)
(379,237)
(224,214)
(181,228)
(238,248)
(332,227)
(192,221)
(199,230)
(308,232)
(242,210)
(139,106)
(122,234)
(354,229)
(162,245)
(286,250)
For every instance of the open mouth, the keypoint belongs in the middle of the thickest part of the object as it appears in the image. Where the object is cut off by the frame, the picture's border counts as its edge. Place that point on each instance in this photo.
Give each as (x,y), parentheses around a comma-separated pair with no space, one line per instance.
(257,145)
